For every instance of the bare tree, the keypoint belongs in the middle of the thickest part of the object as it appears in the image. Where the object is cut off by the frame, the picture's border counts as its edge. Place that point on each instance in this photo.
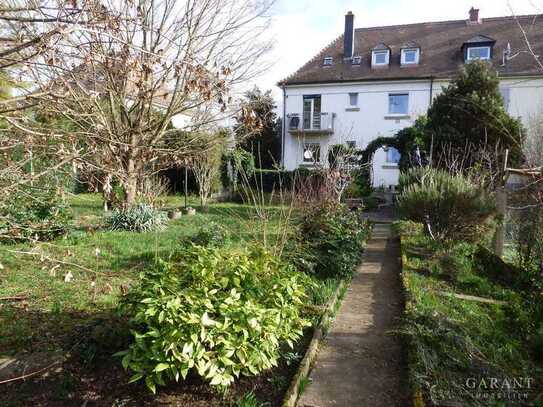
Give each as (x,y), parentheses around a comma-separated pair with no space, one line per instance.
(120,72)
(206,164)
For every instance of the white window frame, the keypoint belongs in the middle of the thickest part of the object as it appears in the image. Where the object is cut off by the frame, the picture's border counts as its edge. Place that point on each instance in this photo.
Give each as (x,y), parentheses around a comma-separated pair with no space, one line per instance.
(312,160)
(390,113)
(417,56)
(357,60)
(478,59)
(374,57)
(312,114)
(355,96)
(328,61)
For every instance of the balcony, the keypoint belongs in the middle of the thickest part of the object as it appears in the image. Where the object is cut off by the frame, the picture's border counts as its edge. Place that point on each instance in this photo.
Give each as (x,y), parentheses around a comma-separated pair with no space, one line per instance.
(321,124)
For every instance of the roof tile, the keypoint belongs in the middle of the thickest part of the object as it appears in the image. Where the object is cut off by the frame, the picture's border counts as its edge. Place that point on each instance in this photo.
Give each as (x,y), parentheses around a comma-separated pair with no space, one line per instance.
(440,44)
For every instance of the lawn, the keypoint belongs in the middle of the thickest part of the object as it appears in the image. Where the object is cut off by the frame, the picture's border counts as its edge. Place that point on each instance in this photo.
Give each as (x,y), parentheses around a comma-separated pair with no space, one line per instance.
(103,265)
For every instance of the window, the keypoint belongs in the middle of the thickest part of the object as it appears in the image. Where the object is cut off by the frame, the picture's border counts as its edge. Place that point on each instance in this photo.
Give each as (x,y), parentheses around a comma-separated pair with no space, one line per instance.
(410,56)
(327,61)
(393,155)
(380,58)
(506,95)
(398,103)
(357,60)
(353,99)
(475,53)
(312,153)
(312,112)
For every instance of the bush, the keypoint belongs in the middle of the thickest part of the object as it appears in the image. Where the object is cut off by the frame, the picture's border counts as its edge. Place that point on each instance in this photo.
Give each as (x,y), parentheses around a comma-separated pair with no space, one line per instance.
(33,213)
(212,235)
(329,241)
(360,187)
(454,207)
(213,312)
(138,218)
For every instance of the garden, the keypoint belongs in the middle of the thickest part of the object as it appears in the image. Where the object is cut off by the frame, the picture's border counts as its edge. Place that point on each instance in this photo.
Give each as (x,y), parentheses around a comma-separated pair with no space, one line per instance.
(470,208)
(153,251)
(471,317)
(211,308)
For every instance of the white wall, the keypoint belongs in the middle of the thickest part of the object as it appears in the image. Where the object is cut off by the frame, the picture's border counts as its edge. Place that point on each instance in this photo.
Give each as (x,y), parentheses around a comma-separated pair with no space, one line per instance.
(373,120)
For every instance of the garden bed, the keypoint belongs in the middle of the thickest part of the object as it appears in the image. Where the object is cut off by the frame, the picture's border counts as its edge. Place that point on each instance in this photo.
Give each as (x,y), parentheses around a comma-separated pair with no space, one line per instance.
(472,338)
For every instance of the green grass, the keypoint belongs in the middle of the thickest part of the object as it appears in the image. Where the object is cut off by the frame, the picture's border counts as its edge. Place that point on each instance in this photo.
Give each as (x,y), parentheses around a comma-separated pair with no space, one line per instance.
(103,264)
(452,339)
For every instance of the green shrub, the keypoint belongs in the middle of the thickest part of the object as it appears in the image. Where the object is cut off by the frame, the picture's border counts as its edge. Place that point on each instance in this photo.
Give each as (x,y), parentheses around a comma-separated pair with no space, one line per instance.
(211,234)
(329,241)
(360,187)
(216,313)
(33,213)
(138,218)
(454,207)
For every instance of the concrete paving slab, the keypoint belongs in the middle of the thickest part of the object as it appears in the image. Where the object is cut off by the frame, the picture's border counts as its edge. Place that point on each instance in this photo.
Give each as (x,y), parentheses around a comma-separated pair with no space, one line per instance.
(361,363)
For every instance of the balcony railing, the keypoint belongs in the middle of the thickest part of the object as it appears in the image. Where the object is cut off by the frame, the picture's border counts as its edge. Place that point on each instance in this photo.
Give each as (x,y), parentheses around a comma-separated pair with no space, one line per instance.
(322,124)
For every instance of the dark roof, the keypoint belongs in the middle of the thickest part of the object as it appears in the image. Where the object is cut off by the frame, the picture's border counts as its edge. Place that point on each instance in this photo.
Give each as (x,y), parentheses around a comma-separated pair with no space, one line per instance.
(440,44)
(478,39)
(380,47)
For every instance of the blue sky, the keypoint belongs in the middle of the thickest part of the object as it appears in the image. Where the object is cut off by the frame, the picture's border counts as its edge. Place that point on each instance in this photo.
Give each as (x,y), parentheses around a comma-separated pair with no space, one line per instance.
(301,28)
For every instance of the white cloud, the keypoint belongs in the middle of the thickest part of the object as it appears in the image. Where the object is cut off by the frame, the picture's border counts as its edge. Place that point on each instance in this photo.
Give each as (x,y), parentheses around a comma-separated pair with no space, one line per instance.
(301,28)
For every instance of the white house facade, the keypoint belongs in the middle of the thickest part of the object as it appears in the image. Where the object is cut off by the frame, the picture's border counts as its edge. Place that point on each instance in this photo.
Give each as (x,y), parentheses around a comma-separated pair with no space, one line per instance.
(380,80)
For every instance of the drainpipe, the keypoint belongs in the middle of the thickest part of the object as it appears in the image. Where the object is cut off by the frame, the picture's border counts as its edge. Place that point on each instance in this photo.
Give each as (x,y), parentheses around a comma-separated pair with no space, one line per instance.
(431,89)
(283,125)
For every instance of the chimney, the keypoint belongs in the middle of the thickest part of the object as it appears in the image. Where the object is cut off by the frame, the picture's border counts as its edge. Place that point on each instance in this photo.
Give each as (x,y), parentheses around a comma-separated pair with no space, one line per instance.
(474,16)
(348,38)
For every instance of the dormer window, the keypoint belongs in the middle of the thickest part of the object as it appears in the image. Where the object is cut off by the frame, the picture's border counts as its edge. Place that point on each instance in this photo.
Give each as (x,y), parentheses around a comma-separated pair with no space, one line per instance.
(478,48)
(478,53)
(410,56)
(380,58)
(380,55)
(357,60)
(328,61)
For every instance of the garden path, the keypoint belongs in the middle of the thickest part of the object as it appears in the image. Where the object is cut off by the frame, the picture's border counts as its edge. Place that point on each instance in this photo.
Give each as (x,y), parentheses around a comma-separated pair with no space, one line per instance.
(360,362)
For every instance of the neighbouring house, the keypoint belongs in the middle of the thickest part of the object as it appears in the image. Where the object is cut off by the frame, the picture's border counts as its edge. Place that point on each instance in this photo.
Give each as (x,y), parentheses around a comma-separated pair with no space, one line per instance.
(372,82)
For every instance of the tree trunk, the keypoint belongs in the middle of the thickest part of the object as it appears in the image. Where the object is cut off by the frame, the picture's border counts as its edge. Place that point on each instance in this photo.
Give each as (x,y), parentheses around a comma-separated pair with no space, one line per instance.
(131,183)
(130,190)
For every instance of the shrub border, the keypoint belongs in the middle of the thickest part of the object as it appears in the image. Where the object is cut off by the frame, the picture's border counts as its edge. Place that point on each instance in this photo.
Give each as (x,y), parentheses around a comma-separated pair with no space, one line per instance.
(416,396)
(291,396)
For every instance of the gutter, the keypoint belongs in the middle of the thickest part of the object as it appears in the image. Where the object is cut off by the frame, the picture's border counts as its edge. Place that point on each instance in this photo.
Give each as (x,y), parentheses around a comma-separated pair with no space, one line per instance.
(401,79)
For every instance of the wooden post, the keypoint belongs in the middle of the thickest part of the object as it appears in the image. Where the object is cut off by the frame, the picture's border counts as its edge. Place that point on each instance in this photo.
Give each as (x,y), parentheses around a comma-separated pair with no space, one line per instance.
(501,206)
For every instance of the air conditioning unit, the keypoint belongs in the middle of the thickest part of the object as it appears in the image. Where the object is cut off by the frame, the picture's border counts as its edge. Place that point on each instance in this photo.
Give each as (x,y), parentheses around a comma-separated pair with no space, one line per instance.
(294,122)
